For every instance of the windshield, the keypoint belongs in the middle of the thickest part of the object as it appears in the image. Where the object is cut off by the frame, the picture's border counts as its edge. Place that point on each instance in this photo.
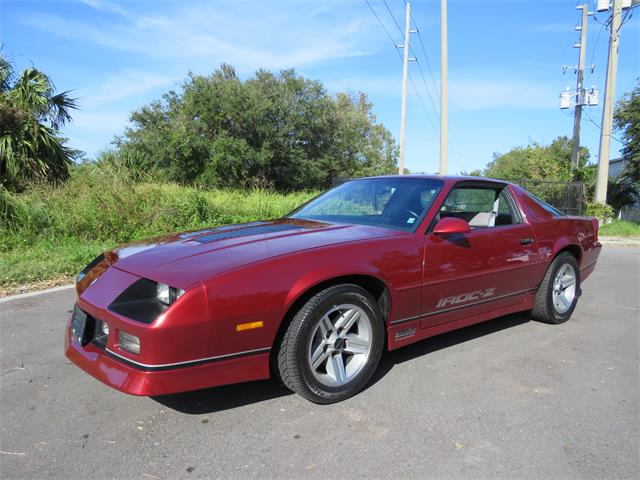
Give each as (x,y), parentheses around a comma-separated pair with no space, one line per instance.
(391,202)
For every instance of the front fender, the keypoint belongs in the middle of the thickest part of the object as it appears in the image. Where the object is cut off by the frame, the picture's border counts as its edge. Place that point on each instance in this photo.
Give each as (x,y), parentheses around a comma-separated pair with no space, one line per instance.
(312,279)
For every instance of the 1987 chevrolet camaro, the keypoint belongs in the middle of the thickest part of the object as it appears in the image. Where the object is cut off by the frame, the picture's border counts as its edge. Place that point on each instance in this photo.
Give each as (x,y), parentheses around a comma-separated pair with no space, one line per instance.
(315,297)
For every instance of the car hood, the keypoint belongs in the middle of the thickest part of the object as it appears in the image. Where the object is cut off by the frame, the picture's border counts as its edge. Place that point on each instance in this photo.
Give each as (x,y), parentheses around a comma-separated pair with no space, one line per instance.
(185,258)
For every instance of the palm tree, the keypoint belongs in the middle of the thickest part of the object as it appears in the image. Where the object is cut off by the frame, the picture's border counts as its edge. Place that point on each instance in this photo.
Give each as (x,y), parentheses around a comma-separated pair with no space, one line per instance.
(31,114)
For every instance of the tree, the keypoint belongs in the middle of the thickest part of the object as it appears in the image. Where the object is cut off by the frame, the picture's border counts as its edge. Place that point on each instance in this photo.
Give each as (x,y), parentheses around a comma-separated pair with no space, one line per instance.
(31,114)
(627,120)
(538,162)
(621,191)
(281,131)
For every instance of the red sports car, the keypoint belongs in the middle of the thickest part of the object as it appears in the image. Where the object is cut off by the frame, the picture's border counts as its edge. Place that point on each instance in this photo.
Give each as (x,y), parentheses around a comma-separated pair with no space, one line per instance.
(315,297)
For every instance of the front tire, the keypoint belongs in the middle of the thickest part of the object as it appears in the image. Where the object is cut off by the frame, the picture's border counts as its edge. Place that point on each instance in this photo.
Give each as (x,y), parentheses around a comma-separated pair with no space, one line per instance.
(333,345)
(558,293)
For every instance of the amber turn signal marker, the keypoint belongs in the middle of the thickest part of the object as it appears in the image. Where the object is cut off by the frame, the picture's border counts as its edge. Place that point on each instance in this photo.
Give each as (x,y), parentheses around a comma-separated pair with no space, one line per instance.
(248,326)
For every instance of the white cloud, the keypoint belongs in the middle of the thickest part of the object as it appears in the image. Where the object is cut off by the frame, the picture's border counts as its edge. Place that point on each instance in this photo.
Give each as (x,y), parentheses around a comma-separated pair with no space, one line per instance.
(99,120)
(105,107)
(477,93)
(121,86)
(105,6)
(371,85)
(270,35)
(166,39)
(466,92)
(93,130)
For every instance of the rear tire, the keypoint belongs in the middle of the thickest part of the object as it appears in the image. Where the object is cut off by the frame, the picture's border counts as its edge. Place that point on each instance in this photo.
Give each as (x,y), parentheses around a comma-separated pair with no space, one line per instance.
(333,345)
(558,293)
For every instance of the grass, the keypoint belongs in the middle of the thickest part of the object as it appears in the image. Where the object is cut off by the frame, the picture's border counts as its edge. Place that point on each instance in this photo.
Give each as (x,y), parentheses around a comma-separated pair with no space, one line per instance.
(52,232)
(620,228)
(48,234)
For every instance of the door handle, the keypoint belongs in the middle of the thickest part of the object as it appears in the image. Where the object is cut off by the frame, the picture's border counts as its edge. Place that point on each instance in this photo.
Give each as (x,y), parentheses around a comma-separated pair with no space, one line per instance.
(526,241)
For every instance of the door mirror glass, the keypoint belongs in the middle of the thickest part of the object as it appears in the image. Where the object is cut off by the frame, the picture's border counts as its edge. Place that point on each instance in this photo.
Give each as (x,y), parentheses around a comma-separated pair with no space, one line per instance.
(450,225)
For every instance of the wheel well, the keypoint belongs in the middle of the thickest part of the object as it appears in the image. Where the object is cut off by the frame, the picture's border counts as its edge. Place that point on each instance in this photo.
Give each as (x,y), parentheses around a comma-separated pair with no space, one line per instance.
(573,250)
(374,286)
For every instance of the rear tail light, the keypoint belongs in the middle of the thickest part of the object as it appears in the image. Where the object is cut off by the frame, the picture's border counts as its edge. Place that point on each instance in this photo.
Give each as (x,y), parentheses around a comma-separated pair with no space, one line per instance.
(596,225)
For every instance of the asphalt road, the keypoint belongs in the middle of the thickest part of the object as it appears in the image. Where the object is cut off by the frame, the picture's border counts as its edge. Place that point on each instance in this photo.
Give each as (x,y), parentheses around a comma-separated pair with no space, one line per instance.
(509,398)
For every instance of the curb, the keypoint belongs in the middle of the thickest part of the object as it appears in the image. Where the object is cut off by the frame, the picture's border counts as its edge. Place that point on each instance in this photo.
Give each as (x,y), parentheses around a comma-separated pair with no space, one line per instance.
(620,241)
(33,294)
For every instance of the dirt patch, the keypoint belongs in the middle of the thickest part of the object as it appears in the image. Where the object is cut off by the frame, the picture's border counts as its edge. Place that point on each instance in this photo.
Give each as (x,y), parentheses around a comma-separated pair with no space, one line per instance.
(16,288)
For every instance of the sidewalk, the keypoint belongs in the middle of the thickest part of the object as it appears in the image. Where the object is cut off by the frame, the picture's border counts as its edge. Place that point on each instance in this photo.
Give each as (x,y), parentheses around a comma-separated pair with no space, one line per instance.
(620,241)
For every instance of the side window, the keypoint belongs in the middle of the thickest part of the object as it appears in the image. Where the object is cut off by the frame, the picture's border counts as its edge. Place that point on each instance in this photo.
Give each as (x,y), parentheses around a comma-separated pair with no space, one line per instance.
(481,207)
(427,196)
(506,215)
(470,200)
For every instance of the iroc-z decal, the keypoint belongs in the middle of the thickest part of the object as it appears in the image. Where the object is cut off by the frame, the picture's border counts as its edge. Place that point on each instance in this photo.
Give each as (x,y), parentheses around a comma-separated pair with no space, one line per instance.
(466,297)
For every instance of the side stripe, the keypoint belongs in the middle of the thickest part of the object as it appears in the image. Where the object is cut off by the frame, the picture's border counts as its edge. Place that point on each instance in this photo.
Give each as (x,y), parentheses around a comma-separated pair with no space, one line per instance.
(188,363)
(445,310)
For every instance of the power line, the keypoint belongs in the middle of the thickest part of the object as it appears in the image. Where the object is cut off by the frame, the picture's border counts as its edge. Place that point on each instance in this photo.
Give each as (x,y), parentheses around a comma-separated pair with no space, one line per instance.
(425,86)
(627,16)
(451,141)
(593,52)
(414,53)
(426,57)
(599,127)
(422,76)
(426,111)
(394,18)
(424,51)
(395,45)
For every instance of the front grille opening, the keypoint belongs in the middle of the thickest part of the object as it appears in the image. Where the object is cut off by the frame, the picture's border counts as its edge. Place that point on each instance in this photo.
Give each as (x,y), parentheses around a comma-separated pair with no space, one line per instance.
(87,329)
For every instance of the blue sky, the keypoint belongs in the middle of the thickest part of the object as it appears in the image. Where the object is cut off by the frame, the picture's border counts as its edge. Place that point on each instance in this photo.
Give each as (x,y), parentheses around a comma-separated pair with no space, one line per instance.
(505,61)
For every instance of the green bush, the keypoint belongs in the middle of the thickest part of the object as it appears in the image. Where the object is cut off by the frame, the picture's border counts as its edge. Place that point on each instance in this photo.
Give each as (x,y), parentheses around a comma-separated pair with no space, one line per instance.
(8,210)
(54,230)
(603,213)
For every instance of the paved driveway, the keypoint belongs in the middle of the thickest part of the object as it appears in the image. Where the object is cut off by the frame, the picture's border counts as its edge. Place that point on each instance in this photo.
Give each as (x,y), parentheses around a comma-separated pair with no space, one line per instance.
(509,398)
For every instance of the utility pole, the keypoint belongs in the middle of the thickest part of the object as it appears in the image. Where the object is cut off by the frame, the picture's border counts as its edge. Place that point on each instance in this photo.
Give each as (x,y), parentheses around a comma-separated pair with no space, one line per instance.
(444,111)
(405,75)
(575,153)
(607,109)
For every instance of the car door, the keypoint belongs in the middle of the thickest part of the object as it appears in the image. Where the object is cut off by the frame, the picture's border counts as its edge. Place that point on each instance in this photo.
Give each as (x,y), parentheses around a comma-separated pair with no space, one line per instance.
(487,269)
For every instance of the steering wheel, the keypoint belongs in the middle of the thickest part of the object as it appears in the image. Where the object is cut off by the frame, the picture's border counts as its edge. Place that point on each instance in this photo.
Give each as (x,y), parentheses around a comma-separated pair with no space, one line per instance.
(394,212)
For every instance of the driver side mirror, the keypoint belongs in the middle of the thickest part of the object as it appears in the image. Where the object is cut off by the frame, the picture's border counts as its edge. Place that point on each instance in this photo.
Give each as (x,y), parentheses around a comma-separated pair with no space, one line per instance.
(451,225)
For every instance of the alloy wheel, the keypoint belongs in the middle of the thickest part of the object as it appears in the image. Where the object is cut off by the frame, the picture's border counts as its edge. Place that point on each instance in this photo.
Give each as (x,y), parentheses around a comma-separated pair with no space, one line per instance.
(564,288)
(340,345)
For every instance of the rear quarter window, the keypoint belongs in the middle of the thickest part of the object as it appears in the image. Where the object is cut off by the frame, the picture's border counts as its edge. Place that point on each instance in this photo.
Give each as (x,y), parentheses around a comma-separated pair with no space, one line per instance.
(552,210)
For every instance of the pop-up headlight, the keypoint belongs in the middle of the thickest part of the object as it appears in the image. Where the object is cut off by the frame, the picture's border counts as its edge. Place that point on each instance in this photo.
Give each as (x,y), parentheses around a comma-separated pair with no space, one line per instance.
(145,300)
(167,294)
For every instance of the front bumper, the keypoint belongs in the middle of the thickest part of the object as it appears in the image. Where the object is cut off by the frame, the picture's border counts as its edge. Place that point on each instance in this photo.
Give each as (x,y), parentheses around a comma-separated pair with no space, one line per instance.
(115,373)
